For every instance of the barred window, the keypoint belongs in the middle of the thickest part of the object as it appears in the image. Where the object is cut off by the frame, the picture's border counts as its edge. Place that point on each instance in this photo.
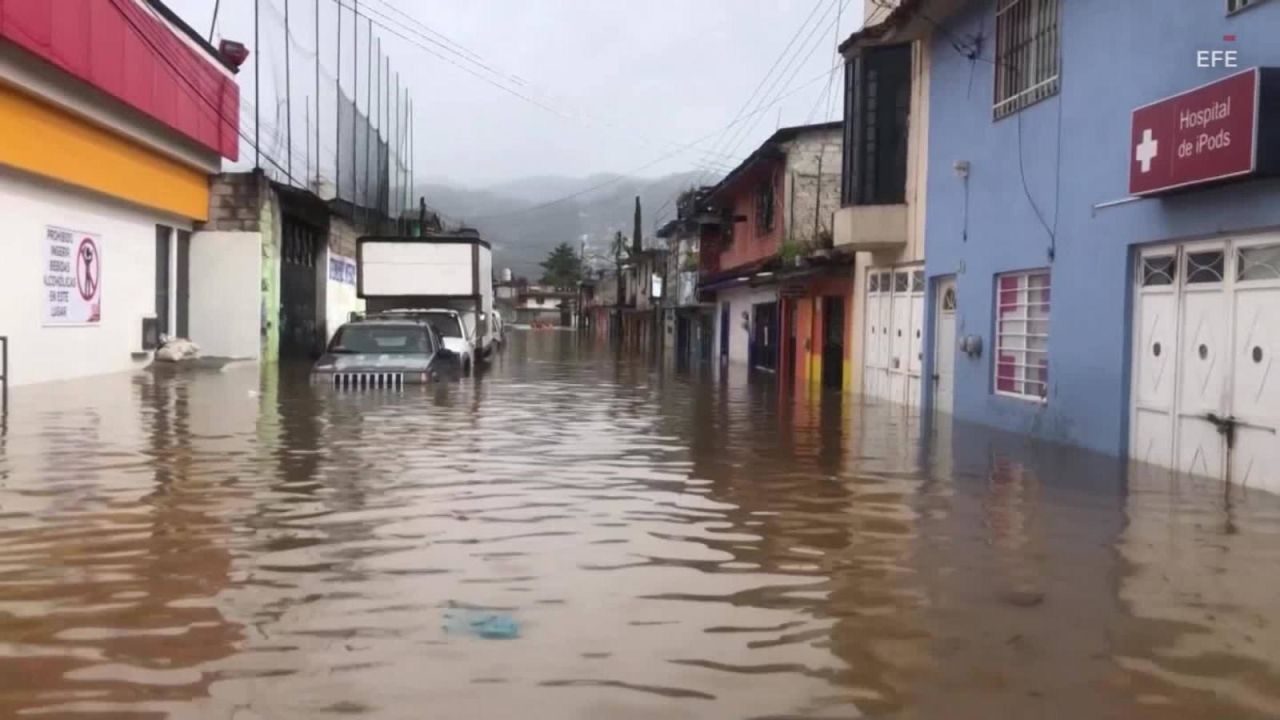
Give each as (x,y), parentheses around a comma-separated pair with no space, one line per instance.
(1026,54)
(1022,335)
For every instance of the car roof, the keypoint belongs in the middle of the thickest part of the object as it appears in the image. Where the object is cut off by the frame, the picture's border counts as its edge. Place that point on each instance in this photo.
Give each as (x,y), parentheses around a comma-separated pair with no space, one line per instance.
(414,322)
(406,312)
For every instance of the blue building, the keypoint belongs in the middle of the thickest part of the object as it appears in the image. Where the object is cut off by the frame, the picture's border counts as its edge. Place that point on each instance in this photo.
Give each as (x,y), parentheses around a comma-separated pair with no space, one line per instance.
(1101,277)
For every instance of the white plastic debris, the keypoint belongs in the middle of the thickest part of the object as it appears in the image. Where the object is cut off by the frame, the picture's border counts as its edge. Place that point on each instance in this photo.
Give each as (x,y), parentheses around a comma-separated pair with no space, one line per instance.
(177,350)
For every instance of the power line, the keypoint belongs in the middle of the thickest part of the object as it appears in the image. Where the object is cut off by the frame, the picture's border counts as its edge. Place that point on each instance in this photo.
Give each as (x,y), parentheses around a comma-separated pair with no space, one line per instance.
(645,166)
(752,97)
(383,21)
(744,132)
(168,61)
(463,52)
(767,75)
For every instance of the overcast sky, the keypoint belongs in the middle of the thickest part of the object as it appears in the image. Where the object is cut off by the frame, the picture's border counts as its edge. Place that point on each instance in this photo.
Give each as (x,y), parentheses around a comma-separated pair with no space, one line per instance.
(626,83)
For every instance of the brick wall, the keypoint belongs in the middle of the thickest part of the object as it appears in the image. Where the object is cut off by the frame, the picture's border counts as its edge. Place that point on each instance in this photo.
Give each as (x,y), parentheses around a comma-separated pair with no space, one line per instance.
(812,188)
(235,202)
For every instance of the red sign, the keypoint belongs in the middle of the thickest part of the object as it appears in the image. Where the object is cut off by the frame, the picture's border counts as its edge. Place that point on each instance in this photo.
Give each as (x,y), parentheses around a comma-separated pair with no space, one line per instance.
(1199,136)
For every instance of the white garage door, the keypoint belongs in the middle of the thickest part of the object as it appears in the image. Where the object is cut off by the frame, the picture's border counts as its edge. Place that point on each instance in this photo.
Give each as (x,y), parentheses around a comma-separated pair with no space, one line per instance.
(1205,394)
(893,334)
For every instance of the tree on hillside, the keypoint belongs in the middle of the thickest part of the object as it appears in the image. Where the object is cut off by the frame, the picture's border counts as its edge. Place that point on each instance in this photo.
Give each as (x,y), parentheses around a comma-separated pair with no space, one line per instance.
(562,268)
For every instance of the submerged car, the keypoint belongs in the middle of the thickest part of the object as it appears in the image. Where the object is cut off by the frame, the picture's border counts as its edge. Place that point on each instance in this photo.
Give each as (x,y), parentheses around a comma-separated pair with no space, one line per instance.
(449,324)
(384,353)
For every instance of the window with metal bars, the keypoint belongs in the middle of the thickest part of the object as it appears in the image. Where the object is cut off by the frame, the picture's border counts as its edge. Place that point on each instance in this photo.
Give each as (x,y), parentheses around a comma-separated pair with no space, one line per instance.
(1027,54)
(877,108)
(1022,335)
(764,206)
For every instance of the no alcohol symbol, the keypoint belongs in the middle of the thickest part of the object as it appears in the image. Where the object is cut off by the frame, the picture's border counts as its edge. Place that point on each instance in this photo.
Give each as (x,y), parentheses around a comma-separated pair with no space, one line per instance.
(87,269)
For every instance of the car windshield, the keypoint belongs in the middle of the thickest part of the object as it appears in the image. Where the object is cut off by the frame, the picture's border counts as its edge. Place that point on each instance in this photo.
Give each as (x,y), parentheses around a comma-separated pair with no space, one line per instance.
(446,324)
(373,339)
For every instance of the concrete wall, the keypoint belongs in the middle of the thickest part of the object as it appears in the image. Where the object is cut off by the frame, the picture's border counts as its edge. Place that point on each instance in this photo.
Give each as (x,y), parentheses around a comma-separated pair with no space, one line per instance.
(225,300)
(917,183)
(244,202)
(339,295)
(811,185)
(38,353)
(748,242)
(1073,151)
(740,299)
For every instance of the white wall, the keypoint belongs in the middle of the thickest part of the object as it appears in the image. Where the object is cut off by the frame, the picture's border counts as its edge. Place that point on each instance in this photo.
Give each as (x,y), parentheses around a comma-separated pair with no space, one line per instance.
(37,353)
(416,268)
(741,299)
(339,298)
(226,293)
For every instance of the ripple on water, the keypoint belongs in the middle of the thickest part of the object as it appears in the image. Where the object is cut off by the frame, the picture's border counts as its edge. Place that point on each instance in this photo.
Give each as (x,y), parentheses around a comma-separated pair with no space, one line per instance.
(663,545)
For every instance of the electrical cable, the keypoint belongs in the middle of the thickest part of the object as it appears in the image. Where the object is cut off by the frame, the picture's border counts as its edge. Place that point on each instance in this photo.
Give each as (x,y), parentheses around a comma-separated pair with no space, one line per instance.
(168,61)
(645,166)
(382,21)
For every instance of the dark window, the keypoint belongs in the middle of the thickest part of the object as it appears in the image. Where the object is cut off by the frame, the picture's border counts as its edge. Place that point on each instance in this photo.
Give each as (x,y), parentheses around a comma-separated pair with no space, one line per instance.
(764,206)
(183,294)
(1159,270)
(446,324)
(375,339)
(162,278)
(1206,267)
(877,106)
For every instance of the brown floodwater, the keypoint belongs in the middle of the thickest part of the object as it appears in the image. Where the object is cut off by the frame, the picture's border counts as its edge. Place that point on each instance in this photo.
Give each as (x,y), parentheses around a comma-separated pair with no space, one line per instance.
(577,535)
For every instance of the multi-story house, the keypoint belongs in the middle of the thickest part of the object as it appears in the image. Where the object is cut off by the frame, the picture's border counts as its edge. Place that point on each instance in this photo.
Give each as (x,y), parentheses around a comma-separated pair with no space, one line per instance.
(882,214)
(688,323)
(1102,252)
(783,293)
(113,122)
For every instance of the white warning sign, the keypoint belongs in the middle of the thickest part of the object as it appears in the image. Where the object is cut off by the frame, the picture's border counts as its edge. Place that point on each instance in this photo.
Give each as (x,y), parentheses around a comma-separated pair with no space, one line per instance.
(72,274)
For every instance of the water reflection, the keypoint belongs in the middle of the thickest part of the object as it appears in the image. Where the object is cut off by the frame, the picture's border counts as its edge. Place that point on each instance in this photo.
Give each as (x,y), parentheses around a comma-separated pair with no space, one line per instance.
(238,544)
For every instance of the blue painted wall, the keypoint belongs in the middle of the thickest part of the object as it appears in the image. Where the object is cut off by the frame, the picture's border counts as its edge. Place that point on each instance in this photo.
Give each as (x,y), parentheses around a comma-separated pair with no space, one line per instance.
(1074,154)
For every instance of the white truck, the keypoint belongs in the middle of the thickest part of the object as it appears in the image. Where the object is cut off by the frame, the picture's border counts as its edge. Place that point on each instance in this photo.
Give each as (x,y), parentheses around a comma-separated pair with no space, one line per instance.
(451,270)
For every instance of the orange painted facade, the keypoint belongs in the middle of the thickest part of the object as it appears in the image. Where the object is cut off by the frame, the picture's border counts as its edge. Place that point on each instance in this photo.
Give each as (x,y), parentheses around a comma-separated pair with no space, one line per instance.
(60,146)
(805,322)
(751,243)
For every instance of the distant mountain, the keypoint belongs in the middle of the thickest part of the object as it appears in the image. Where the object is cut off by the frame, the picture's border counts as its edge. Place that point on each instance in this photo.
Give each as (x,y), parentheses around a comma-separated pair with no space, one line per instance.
(525,218)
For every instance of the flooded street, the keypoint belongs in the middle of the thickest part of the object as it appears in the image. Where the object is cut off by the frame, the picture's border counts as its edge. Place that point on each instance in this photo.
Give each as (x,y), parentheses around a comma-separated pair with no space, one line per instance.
(574,536)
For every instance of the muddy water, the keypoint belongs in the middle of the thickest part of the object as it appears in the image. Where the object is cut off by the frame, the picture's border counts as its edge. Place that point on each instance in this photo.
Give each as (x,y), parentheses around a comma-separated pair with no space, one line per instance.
(577,536)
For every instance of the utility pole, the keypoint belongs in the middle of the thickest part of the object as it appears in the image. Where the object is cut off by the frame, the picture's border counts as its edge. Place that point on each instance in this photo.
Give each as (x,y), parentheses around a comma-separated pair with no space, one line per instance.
(368,113)
(386,120)
(636,230)
(257,91)
(307,118)
(337,106)
(413,137)
(377,138)
(317,180)
(619,246)
(355,94)
(288,100)
(399,202)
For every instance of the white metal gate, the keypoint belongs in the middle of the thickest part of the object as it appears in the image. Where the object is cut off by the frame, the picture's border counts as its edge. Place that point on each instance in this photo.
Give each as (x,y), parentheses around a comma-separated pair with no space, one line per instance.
(944,351)
(894,334)
(1205,395)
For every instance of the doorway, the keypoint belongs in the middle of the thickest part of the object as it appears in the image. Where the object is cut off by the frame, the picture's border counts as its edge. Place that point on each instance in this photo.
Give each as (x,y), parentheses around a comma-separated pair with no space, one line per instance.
(764,336)
(724,333)
(833,341)
(944,346)
(299,328)
(789,354)
(1205,332)
(893,341)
